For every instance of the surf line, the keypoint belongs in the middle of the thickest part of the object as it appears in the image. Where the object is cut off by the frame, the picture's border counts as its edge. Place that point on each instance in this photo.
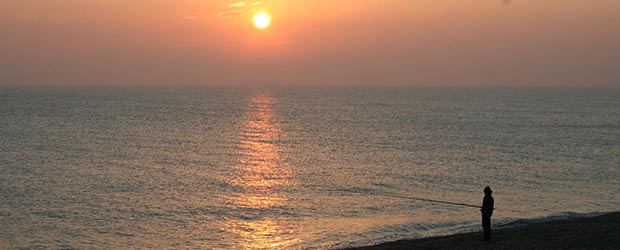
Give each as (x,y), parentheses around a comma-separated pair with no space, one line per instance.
(411,198)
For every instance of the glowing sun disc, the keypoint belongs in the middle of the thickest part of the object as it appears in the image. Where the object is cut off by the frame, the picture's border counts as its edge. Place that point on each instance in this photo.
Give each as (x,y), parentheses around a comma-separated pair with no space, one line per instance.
(262,20)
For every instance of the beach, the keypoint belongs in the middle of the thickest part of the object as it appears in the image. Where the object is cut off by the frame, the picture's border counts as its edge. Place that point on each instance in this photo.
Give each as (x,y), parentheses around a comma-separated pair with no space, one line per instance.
(599,232)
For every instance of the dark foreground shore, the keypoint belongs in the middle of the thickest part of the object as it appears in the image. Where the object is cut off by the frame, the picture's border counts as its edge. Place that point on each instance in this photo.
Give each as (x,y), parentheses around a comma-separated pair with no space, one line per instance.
(600,232)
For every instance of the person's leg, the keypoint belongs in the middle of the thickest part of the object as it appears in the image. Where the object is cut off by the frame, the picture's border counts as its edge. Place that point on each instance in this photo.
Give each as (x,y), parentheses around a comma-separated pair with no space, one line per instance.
(486,225)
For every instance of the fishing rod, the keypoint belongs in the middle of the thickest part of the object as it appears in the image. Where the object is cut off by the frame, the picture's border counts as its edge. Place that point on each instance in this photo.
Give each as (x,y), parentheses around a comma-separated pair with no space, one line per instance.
(426,200)
(411,198)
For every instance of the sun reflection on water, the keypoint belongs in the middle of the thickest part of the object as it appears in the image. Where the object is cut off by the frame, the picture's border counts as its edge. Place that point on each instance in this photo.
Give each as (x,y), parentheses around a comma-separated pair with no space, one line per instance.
(260,175)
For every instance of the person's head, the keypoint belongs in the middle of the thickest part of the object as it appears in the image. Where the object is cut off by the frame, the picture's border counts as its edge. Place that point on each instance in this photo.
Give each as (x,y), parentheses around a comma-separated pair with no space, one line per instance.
(487,190)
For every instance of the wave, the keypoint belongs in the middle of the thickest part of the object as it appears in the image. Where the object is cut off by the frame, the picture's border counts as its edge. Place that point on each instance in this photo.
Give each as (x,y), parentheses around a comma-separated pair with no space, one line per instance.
(550,218)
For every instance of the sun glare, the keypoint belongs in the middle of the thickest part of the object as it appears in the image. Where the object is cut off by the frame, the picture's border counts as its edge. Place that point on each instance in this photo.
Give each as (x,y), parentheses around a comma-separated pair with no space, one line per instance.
(262,20)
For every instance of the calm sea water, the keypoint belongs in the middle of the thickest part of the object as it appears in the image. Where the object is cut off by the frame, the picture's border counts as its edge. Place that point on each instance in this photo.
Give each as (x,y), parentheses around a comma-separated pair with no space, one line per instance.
(285,169)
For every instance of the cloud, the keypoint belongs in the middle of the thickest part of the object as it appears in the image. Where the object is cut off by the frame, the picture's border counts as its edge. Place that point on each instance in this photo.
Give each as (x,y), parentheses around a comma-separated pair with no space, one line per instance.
(239,8)
(231,13)
(237,5)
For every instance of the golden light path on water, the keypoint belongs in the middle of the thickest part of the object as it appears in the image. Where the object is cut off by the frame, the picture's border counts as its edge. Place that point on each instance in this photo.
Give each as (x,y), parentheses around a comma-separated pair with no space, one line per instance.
(260,174)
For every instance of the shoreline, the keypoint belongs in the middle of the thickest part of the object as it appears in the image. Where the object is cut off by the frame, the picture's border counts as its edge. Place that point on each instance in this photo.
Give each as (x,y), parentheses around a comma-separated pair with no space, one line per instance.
(596,232)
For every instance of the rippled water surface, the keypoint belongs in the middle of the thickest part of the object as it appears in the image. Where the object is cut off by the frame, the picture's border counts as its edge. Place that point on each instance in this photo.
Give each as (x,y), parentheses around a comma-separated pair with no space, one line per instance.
(281,169)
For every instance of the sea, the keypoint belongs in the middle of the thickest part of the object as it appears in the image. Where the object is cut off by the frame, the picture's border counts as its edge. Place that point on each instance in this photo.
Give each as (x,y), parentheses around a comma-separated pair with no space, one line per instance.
(296,168)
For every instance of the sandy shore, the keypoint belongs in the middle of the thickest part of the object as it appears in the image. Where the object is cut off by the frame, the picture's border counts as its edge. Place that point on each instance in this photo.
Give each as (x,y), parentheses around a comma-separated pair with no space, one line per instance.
(600,232)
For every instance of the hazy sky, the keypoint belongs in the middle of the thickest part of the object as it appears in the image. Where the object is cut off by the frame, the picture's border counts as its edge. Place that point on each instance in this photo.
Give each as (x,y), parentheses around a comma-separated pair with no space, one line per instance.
(416,42)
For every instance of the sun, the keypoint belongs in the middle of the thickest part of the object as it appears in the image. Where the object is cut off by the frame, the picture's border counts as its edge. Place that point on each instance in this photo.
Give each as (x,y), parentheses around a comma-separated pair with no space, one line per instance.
(262,20)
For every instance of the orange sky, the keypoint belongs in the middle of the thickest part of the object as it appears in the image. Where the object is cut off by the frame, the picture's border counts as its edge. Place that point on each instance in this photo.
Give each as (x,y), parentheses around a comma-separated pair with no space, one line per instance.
(405,42)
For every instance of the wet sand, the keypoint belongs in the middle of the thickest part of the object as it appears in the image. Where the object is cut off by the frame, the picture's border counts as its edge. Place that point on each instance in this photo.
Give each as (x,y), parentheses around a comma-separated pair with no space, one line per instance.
(600,232)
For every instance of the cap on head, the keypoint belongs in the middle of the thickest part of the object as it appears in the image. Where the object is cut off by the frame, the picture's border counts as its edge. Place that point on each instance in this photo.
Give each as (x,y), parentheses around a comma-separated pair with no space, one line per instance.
(487,190)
